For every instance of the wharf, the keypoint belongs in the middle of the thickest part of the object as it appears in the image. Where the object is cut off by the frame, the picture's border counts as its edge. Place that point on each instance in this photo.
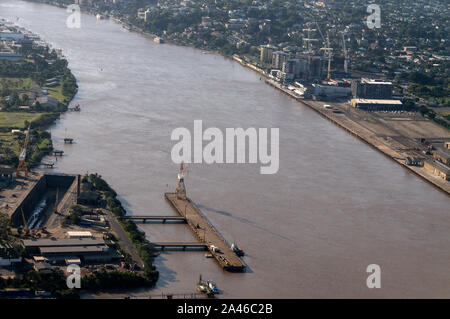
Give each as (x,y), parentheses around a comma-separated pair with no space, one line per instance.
(206,233)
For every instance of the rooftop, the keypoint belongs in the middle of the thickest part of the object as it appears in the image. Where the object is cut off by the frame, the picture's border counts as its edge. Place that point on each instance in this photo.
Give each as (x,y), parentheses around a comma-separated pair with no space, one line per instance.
(75,249)
(440,166)
(372,81)
(63,242)
(376,101)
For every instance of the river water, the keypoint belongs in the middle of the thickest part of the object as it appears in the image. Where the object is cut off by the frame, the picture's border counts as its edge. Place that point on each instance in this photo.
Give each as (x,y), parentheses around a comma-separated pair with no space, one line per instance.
(335,206)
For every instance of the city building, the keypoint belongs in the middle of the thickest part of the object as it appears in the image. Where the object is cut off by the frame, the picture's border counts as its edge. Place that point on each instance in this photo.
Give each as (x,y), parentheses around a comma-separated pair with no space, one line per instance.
(371,89)
(278,58)
(266,53)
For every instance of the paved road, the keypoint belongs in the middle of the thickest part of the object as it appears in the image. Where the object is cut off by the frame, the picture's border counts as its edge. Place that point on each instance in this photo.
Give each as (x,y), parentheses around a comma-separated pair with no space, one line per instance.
(125,242)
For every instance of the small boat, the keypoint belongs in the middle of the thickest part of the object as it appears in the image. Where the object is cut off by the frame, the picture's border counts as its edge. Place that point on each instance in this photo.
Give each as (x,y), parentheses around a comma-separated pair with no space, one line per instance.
(237,250)
(212,286)
(158,40)
(205,288)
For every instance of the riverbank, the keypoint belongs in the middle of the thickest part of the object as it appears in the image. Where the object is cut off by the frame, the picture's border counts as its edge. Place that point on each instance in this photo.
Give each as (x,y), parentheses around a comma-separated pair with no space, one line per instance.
(343,119)
(35,90)
(378,137)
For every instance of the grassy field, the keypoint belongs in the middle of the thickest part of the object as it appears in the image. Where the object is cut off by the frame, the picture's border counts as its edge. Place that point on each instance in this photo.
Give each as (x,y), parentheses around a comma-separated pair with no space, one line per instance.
(16,83)
(16,119)
(56,92)
(7,140)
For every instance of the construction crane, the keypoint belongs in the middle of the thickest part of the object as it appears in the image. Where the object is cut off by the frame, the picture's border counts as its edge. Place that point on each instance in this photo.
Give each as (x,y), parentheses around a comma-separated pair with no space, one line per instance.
(22,167)
(309,40)
(181,188)
(345,53)
(329,51)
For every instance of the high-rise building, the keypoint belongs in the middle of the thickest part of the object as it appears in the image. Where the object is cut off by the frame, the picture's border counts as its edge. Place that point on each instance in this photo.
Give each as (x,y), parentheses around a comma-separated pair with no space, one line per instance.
(371,89)
(278,58)
(266,53)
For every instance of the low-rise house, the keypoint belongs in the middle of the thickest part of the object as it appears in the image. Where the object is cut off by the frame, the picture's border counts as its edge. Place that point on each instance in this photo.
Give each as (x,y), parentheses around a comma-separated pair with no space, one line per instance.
(47,101)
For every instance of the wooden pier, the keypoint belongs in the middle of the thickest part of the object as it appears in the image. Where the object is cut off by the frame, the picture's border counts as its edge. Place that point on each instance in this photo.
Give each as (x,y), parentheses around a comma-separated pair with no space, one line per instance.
(161,219)
(206,233)
(68,140)
(58,152)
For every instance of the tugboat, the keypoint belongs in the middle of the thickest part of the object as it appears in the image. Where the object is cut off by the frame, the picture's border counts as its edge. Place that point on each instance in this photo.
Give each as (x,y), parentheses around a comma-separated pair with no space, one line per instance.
(237,250)
(206,287)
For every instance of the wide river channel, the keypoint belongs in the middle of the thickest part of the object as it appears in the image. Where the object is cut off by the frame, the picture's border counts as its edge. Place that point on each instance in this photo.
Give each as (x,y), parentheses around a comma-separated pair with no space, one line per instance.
(335,206)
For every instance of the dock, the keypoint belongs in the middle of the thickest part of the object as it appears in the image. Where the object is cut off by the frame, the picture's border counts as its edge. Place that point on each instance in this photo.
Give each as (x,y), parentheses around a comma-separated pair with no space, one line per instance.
(68,140)
(162,219)
(206,233)
(58,152)
(180,246)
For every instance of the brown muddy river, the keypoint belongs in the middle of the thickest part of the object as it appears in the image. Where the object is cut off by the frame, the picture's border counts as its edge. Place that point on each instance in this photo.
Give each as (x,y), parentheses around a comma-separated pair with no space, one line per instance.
(335,206)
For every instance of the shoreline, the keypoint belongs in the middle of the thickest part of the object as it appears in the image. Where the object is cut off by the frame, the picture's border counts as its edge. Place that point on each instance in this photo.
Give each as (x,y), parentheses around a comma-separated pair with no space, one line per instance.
(355,128)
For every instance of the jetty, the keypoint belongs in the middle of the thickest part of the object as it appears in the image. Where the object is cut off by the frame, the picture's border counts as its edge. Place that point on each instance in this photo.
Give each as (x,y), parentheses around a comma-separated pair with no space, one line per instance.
(68,140)
(180,246)
(205,233)
(161,219)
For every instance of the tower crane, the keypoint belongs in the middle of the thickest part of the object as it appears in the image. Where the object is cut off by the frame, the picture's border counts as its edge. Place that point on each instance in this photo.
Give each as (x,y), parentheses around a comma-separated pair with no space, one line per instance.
(309,40)
(22,167)
(345,53)
(329,52)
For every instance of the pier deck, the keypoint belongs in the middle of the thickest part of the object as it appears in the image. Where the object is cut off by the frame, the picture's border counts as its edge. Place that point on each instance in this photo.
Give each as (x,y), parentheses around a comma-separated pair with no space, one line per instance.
(180,245)
(206,233)
(162,219)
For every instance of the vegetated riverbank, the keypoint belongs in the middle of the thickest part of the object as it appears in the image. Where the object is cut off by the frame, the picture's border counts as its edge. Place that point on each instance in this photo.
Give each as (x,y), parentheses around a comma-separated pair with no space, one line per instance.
(142,246)
(34,91)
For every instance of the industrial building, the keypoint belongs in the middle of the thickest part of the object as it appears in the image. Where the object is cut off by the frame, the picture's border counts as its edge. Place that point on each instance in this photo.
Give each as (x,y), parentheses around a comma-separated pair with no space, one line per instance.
(447,145)
(330,91)
(438,169)
(442,155)
(377,104)
(60,250)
